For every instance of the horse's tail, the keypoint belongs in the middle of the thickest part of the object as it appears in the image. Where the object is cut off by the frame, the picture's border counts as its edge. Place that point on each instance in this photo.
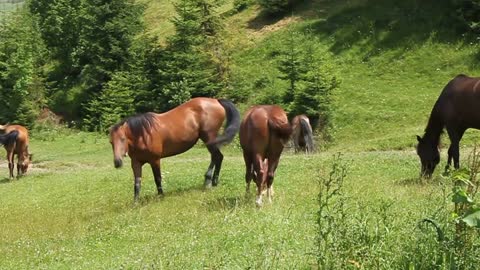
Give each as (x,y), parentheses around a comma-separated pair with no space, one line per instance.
(232,126)
(9,138)
(281,128)
(307,131)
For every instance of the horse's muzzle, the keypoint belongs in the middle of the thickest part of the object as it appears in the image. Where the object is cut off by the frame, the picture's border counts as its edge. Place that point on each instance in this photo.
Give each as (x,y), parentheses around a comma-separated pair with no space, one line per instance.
(118,163)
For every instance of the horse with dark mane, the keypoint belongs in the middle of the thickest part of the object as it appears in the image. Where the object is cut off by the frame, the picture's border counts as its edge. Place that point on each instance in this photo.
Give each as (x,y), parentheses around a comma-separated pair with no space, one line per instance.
(457,109)
(149,137)
(263,133)
(15,141)
(302,134)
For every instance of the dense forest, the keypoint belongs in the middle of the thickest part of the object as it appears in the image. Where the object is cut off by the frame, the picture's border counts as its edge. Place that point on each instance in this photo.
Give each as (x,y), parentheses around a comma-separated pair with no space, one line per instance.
(92,63)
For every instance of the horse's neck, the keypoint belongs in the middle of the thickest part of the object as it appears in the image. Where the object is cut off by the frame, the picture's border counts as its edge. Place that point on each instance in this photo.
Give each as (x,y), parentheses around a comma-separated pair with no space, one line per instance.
(434,128)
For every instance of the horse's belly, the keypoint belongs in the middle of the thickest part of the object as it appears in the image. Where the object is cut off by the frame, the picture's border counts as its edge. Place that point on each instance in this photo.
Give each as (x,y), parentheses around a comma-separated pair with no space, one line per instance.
(172,149)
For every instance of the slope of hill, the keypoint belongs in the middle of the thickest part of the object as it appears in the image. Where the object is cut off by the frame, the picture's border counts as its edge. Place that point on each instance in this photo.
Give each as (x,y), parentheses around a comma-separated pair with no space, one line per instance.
(392,58)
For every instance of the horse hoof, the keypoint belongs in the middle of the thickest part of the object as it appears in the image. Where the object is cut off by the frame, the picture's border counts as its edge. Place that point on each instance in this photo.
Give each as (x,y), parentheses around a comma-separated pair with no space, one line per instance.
(208,185)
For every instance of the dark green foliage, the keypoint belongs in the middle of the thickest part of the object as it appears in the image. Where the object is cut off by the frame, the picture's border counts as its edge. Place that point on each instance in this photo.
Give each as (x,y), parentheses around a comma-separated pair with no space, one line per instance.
(115,102)
(185,68)
(274,6)
(21,51)
(59,25)
(311,81)
(89,42)
(239,5)
(292,66)
(469,13)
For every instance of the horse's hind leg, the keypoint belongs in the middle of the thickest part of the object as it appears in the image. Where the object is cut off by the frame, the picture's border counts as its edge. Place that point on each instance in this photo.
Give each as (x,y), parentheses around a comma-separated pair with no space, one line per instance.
(157,175)
(272,166)
(11,165)
(213,171)
(248,169)
(260,167)
(137,174)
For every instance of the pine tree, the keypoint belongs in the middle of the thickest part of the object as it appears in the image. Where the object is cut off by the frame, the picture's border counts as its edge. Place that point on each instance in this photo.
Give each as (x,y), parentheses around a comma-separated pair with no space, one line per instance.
(291,66)
(21,56)
(184,68)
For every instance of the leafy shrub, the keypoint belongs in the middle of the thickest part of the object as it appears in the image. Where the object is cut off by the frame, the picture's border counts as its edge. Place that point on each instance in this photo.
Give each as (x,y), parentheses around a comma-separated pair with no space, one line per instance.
(274,6)
(239,5)
(469,13)
(458,233)
(21,54)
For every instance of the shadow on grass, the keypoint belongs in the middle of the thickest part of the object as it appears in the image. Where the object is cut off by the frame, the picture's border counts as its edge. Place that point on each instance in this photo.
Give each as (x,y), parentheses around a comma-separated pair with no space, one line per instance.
(180,191)
(300,8)
(378,25)
(232,202)
(5,180)
(413,181)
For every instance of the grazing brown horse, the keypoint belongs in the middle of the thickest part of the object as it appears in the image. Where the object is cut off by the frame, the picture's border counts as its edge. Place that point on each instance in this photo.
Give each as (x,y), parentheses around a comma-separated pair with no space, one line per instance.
(263,133)
(457,109)
(302,134)
(15,140)
(149,137)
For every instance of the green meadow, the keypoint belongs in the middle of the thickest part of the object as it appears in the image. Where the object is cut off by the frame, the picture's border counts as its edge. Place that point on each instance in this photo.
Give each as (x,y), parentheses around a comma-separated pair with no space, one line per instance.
(74,210)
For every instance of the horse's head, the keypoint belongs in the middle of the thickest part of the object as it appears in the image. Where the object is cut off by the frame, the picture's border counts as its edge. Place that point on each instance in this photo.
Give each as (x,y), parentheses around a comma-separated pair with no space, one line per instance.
(429,156)
(24,162)
(119,142)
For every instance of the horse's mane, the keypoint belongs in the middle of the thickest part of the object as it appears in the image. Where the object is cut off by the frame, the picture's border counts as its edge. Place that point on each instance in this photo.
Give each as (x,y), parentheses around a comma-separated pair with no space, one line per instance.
(138,124)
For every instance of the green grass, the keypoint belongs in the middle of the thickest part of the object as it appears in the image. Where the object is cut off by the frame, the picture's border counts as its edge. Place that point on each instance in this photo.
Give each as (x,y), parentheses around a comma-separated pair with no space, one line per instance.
(75,210)
(392,60)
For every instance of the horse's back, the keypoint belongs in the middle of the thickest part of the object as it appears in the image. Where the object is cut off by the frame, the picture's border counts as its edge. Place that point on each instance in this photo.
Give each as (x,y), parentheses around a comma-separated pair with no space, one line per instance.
(459,101)
(254,125)
(262,127)
(22,133)
(198,113)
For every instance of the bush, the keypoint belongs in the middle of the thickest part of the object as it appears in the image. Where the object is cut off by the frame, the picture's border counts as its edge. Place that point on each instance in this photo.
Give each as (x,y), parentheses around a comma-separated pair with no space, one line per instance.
(469,13)
(274,6)
(239,5)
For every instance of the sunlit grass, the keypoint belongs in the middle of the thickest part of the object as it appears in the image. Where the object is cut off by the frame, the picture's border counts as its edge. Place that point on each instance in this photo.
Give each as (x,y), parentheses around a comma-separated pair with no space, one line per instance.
(79,211)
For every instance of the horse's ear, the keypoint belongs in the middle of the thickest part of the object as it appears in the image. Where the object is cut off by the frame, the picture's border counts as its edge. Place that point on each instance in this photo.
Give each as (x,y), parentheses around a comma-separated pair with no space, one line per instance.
(419,139)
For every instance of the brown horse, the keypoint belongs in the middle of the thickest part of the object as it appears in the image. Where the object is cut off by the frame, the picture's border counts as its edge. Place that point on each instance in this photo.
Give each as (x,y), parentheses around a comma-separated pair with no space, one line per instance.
(15,140)
(302,134)
(457,109)
(149,137)
(263,133)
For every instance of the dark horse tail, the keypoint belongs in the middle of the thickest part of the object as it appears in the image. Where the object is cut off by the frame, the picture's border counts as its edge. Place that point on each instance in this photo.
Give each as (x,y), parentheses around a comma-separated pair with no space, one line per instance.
(232,126)
(282,129)
(307,131)
(9,138)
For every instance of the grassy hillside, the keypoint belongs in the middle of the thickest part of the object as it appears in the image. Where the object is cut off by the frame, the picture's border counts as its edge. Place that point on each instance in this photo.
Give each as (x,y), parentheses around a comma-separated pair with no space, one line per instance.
(74,210)
(392,58)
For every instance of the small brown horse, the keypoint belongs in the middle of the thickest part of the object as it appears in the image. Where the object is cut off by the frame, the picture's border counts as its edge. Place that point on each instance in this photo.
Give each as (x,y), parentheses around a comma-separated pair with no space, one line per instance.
(302,134)
(149,137)
(457,109)
(15,140)
(263,133)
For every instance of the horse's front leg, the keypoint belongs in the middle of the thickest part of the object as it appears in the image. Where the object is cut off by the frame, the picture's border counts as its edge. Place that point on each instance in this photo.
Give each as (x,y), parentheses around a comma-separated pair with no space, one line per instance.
(137,174)
(455,135)
(450,157)
(157,175)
